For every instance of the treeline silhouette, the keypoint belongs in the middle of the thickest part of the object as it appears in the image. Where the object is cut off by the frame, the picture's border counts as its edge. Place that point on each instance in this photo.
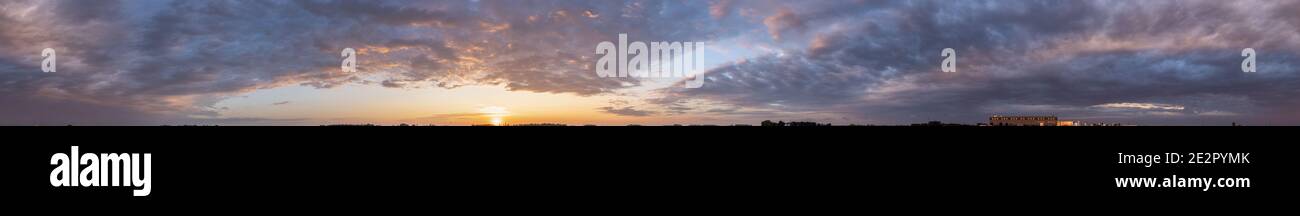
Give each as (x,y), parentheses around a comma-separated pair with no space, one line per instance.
(769,123)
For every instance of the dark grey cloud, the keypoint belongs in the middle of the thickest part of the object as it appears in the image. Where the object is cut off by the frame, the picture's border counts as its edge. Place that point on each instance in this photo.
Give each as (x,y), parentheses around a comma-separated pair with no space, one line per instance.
(146,62)
(1027,57)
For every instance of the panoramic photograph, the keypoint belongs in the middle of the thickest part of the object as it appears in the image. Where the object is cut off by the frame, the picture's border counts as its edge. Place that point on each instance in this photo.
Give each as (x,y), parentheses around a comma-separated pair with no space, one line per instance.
(649,107)
(617,63)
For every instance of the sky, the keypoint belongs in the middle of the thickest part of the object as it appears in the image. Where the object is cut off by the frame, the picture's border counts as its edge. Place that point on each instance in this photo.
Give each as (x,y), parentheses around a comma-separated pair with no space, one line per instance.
(265,62)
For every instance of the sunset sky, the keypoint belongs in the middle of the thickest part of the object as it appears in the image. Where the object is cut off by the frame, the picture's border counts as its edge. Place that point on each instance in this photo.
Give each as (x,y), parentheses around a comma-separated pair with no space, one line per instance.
(264,62)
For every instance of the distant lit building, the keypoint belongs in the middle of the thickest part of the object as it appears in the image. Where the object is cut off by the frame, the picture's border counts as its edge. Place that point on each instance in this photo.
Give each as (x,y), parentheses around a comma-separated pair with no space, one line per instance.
(1028,121)
(1069,123)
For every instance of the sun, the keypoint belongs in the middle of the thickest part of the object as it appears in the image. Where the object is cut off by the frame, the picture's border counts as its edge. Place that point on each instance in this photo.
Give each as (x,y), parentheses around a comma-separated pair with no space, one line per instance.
(495,114)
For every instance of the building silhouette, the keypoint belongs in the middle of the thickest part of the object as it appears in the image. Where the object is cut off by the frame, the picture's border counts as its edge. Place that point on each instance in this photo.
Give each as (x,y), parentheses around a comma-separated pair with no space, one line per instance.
(998,120)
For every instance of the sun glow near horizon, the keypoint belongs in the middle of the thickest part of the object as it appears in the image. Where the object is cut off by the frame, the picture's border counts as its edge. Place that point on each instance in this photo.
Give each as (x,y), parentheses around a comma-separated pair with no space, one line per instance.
(468,105)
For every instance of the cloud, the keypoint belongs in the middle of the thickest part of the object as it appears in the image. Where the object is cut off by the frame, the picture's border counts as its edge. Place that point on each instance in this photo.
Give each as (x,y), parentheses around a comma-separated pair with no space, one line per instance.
(1021,57)
(721,8)
(784,20)
(164,59)
(626,111)
(146,62)
(1217,113)
(1143,106)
